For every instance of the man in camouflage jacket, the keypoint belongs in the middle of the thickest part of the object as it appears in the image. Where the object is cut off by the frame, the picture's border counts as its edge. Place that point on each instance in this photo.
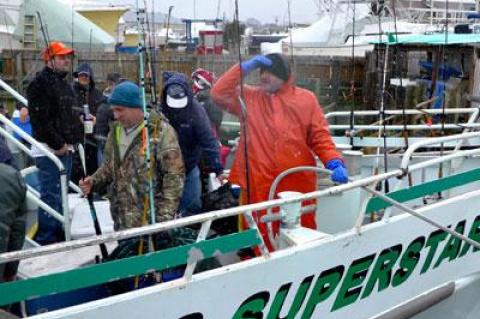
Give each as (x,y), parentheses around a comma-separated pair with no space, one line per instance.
(123,170)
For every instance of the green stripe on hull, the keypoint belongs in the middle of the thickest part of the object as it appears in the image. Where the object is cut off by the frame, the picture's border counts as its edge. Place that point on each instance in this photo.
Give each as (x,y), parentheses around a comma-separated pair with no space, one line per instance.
(428,188)
(123,268)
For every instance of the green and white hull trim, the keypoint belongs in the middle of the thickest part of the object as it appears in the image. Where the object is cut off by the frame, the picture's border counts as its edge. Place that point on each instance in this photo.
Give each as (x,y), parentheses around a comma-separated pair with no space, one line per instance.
(413,254)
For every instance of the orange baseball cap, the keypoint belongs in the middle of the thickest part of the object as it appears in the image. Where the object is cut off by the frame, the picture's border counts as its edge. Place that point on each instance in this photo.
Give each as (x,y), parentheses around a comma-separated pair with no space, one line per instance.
(56,48)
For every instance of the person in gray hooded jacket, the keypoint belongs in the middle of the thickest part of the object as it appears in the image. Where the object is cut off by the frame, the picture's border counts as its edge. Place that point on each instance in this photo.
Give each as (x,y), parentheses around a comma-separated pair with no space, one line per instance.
(13,211)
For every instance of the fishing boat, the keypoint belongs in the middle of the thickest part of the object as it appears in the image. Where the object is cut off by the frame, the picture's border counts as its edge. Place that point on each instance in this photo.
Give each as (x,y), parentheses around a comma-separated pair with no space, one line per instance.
(400,240)
(411,253)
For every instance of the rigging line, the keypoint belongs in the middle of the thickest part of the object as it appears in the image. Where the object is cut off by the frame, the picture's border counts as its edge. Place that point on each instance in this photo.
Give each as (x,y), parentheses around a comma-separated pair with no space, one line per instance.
(243,105)
(352,84)
(399,73)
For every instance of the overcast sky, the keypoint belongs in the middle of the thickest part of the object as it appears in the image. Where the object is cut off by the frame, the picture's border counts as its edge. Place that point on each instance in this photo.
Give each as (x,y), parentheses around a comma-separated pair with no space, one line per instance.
(263,10)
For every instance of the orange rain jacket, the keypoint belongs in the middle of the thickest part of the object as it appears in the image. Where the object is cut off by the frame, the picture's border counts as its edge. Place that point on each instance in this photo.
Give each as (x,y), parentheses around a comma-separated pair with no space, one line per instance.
(284,130)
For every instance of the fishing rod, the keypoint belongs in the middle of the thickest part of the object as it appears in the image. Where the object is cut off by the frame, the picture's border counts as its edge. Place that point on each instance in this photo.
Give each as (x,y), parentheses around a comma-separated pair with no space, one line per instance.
(6,28)
(145,133)
(154,60)
(352,85)
(46,39)
(382,131)
(93,211)
(150,56)
(170,8)
(397,64)
(72,33)
(90,45)
(444,93)
(243,106)
(292,60)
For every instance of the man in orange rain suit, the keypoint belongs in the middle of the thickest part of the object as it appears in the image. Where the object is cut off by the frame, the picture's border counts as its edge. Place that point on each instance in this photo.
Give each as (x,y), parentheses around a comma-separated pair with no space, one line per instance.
(285,128)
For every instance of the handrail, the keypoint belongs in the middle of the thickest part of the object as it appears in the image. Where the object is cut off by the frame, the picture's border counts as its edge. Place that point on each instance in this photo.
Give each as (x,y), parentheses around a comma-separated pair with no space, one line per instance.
(376,193)
(400,112)
(14,93)
(438,140)
(328,116)
(32,141)
(401,127)
(469,124)
(46,152)
(246,209)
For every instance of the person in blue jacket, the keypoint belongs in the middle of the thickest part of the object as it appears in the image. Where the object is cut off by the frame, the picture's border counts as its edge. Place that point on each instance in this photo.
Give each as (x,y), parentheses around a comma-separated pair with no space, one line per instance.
(195,136)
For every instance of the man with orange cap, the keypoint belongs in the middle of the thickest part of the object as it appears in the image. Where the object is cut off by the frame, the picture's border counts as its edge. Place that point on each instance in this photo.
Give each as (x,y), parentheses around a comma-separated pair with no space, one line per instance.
(285,127)
(55,124)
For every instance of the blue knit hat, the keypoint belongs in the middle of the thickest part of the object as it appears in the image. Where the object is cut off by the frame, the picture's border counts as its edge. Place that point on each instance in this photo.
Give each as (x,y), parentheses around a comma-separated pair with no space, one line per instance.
(126,94)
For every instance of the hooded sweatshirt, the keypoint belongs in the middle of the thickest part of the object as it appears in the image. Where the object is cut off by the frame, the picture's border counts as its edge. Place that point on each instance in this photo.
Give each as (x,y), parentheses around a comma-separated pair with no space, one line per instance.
(192,126)
(87,94)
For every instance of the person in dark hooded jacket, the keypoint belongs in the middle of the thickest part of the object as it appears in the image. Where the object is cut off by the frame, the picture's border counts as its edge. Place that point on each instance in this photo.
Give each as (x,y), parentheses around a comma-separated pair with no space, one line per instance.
(105,116)
(195,136)
(86,94)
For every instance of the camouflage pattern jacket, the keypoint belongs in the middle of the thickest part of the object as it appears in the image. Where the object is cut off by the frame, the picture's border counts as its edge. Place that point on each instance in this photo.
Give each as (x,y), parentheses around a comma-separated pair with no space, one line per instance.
(126,181)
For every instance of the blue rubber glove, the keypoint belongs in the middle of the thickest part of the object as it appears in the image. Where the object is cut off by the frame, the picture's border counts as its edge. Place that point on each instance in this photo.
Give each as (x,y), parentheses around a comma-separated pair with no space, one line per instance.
(254,63)
(339,171)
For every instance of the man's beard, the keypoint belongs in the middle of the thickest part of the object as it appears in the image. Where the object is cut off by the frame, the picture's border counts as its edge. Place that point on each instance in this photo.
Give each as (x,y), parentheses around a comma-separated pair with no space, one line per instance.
(61,74)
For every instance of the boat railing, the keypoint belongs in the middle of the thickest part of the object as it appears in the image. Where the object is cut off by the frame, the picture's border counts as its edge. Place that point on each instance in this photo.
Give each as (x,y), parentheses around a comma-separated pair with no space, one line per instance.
(356,137)
(189,254)
(407,155)
(474,112)
(64,218)
(331,116)
(241,210)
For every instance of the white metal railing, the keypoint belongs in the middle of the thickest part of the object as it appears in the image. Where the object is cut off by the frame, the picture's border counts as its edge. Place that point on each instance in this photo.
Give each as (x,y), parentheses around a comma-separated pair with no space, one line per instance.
(66,218)
(14,93)
(210,216)
(474,112)
(435,141)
